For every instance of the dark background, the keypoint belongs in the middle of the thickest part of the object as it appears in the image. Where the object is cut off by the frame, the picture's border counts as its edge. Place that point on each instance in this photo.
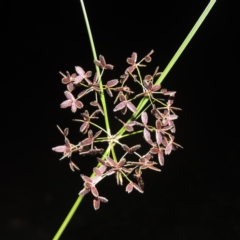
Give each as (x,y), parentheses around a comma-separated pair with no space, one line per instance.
(196,196)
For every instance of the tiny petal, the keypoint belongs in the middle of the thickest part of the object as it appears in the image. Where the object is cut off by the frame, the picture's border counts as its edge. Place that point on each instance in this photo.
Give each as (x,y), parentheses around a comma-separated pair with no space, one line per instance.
(70,87)
(74,108)
(155,88)
(82,93)
(78,79)
(102,60)
(129,187)
(79,104)
(103,199)
(110,172)
(147,136)
(144,118)
(94,191)
(65,132)
(125,148)
(109,92)
(96,179)
(161,158)
(148,59)
(112,83)
(66,80)
(158,137)
(86,142)
(164,141)
(130,69)
(154,150)
(97,134)
(130,61)
(97,171)
(109,66)
(172,117)
(84,191)
(120,106)
(137,187)
(96,203)
(73,166)
(131,107)
(59,148)
(102,168)
(84,126)
(168,148)
(158,124)
(86,179)
(121,162)
(134,57)
(110,161)
(129,128)
(69,95)
(98,63)
(154,168)
(66,104)
(135,148)
(67,143)
(80,71)
(88,74)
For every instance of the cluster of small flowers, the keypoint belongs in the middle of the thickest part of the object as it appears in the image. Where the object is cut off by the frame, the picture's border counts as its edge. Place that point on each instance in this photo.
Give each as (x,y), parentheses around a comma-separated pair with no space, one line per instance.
(163,129)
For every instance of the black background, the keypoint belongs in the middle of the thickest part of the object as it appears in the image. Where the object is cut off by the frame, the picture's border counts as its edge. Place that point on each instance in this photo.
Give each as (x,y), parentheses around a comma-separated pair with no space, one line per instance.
(196,196)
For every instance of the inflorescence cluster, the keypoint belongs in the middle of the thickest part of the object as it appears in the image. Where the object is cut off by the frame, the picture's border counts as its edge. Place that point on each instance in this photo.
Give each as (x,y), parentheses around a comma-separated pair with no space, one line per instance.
(157,136)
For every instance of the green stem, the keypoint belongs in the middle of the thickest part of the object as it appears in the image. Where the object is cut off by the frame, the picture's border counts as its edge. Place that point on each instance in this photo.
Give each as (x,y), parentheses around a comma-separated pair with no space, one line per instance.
(186,41)
(74,208)
(142,103)
(68,218)
(102,96)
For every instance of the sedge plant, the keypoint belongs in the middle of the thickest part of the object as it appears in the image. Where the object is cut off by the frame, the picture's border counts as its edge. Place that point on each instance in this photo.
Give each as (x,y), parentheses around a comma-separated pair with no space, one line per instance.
(146,112)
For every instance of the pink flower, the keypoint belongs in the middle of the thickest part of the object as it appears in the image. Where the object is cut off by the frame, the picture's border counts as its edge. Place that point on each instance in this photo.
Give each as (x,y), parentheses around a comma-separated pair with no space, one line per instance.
(144,163)
(96,202)
(71,102)
(132,185)
(124,104)
(102,63)
(117,168)
(81,75)
(69,79)
(89,183)
(159,151)
(65,149)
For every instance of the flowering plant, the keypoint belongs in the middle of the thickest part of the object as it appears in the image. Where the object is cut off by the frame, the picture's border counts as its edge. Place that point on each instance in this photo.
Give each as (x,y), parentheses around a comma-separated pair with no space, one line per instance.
(148,112)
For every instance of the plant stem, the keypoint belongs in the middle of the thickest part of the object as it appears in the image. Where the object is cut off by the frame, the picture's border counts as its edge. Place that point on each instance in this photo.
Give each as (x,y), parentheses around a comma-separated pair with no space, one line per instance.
(68,218)
(144,101)
(74,208)
(102,96)
(186,41)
